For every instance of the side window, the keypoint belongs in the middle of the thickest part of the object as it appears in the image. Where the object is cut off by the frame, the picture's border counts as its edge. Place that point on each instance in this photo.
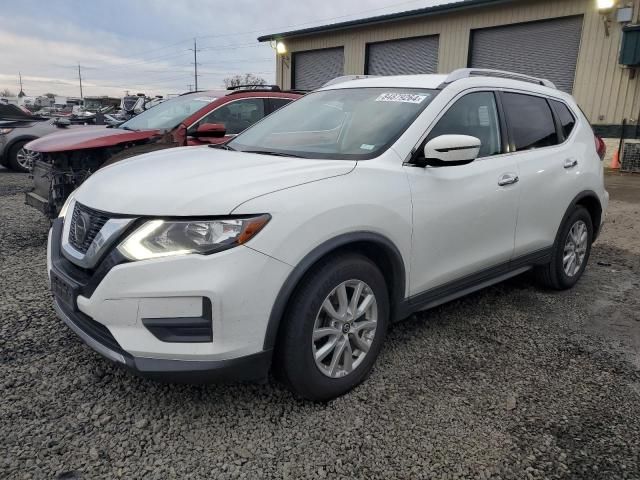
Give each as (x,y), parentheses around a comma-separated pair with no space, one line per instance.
(567,120)
(237,115)
(277,103)
(474,114)
(530,121)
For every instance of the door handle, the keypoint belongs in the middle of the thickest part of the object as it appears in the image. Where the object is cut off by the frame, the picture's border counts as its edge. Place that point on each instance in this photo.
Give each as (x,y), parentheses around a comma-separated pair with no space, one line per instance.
(508,179)
(570,162)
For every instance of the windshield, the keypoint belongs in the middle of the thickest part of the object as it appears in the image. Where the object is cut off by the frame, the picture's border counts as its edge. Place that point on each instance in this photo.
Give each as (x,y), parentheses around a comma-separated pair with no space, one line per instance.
(350,123)
(168,114)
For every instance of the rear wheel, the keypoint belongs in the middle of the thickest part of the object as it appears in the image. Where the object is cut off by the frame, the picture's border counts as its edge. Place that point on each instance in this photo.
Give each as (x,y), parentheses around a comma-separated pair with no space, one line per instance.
(334,328)
(18,159)
(571,252)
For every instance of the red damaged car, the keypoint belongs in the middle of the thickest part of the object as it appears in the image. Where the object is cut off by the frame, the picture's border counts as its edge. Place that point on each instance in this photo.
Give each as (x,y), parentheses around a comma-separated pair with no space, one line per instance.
(61,161)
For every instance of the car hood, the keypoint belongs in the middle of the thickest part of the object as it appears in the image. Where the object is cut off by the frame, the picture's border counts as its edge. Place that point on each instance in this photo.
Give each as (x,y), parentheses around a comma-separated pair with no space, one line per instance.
(79,138)
(198,181)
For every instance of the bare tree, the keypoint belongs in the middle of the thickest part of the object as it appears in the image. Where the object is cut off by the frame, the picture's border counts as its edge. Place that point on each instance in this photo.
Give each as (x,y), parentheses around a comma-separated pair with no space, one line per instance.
(5,92)
(246,79)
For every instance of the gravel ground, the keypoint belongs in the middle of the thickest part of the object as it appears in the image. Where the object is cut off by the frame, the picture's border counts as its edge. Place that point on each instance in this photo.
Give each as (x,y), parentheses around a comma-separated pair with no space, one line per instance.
(511,382)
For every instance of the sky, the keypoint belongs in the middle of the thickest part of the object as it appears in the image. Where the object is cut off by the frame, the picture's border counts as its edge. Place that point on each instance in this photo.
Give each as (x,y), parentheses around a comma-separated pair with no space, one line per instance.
(143,45)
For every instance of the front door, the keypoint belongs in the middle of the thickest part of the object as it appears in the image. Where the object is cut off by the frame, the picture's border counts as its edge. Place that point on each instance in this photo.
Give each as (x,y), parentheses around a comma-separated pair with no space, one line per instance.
(236,116)
(464,217)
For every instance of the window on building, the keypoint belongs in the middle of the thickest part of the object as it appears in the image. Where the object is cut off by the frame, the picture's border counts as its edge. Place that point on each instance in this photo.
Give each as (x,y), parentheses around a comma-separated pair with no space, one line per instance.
(476,115)
(530,121)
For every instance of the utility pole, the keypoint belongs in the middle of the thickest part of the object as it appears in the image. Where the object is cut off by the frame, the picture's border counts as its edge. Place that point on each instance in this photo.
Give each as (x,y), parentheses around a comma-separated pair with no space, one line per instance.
(20,76)
(190,87)
(195,63)
(80,78)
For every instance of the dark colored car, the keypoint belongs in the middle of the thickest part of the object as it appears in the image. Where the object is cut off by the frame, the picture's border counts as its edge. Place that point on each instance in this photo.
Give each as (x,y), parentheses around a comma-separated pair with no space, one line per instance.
(62,161)
(17,128)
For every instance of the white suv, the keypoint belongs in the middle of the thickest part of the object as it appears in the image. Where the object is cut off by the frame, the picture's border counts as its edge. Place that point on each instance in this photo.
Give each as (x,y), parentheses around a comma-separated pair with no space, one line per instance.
(293,246)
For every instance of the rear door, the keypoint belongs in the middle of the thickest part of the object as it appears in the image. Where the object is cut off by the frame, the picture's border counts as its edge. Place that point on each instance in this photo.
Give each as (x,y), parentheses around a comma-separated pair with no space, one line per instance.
(547,172)
(463,219)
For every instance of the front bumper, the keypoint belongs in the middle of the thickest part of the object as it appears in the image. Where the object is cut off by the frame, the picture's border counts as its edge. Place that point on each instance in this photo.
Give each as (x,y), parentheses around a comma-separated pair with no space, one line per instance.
(95,335)
(111,306)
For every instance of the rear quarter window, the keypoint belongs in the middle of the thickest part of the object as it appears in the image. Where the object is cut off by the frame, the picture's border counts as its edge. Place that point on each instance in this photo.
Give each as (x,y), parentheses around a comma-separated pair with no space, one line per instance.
(567,119)
(530,121)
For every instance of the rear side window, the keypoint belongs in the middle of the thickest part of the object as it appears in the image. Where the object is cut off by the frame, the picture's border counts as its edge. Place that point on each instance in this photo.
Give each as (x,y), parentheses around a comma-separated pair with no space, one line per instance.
(567,120)
(530,121)
(277,103)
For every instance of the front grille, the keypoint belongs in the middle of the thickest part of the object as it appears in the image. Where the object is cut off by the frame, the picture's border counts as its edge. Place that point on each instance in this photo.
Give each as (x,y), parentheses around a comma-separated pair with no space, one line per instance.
(92,220)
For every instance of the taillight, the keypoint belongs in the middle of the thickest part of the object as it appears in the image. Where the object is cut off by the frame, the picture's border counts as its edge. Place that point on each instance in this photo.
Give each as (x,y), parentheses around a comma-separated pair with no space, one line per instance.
(601,148)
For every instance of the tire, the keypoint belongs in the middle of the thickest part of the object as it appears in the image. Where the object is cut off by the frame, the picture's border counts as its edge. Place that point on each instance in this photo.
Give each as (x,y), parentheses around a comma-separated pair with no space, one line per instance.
(13,158)
(554,274)
(296,350)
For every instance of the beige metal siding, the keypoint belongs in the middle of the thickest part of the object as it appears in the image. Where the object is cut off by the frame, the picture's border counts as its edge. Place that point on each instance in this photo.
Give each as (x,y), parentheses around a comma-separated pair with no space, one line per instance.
(603,89)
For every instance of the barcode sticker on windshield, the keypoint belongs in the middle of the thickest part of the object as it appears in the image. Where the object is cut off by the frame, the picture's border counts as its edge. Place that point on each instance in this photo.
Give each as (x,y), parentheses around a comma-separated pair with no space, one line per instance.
(401,97)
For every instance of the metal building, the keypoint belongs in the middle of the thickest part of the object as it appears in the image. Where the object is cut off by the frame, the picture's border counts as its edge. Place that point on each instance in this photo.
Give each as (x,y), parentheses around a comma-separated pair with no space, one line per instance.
(574,43)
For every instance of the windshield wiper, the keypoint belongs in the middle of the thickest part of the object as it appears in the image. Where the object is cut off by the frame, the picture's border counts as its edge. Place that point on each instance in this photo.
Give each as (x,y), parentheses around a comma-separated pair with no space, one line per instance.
(221,146)
(275,154)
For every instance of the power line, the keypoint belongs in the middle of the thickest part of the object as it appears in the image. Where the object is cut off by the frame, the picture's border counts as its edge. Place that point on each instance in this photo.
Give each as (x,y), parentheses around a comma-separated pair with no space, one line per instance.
(327,19)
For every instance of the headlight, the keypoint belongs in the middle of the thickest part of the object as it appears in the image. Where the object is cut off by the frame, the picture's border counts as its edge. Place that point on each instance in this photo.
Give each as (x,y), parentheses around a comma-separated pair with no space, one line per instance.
(162,238)
(4,131)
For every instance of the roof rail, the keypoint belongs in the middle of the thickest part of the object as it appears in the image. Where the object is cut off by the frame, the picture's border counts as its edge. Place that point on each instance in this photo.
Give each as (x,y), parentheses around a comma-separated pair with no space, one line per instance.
(262,88)
(485,72)
(347,78)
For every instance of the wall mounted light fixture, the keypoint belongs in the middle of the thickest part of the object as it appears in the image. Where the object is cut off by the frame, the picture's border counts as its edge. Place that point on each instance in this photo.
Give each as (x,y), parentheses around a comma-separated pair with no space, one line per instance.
(605,7)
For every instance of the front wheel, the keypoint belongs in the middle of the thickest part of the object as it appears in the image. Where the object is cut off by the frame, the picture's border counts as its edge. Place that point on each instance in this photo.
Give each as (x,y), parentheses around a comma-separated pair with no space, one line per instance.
(17,158)
(334,328)
(571,252)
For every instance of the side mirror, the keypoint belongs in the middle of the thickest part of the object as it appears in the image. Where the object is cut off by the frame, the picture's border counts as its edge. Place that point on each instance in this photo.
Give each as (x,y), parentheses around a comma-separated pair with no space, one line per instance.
(62,122)
(210,130)
(446,150)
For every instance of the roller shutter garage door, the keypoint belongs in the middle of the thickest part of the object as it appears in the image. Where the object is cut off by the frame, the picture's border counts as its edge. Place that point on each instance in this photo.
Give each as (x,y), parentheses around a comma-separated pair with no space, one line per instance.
(547,49)
(403,57)
(313,68)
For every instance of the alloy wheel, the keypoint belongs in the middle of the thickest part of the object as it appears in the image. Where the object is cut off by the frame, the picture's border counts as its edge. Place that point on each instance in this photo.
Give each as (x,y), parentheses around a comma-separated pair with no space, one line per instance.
(345,328)
(23,159)
(575,248)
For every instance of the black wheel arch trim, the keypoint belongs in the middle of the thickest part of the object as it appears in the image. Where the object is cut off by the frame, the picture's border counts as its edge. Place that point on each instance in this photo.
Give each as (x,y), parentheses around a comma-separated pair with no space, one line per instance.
(396,291)
(576,200)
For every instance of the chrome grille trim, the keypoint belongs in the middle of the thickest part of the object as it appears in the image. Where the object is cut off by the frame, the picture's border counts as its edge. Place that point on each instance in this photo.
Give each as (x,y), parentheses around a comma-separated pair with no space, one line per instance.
(98,221)
(104,237)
